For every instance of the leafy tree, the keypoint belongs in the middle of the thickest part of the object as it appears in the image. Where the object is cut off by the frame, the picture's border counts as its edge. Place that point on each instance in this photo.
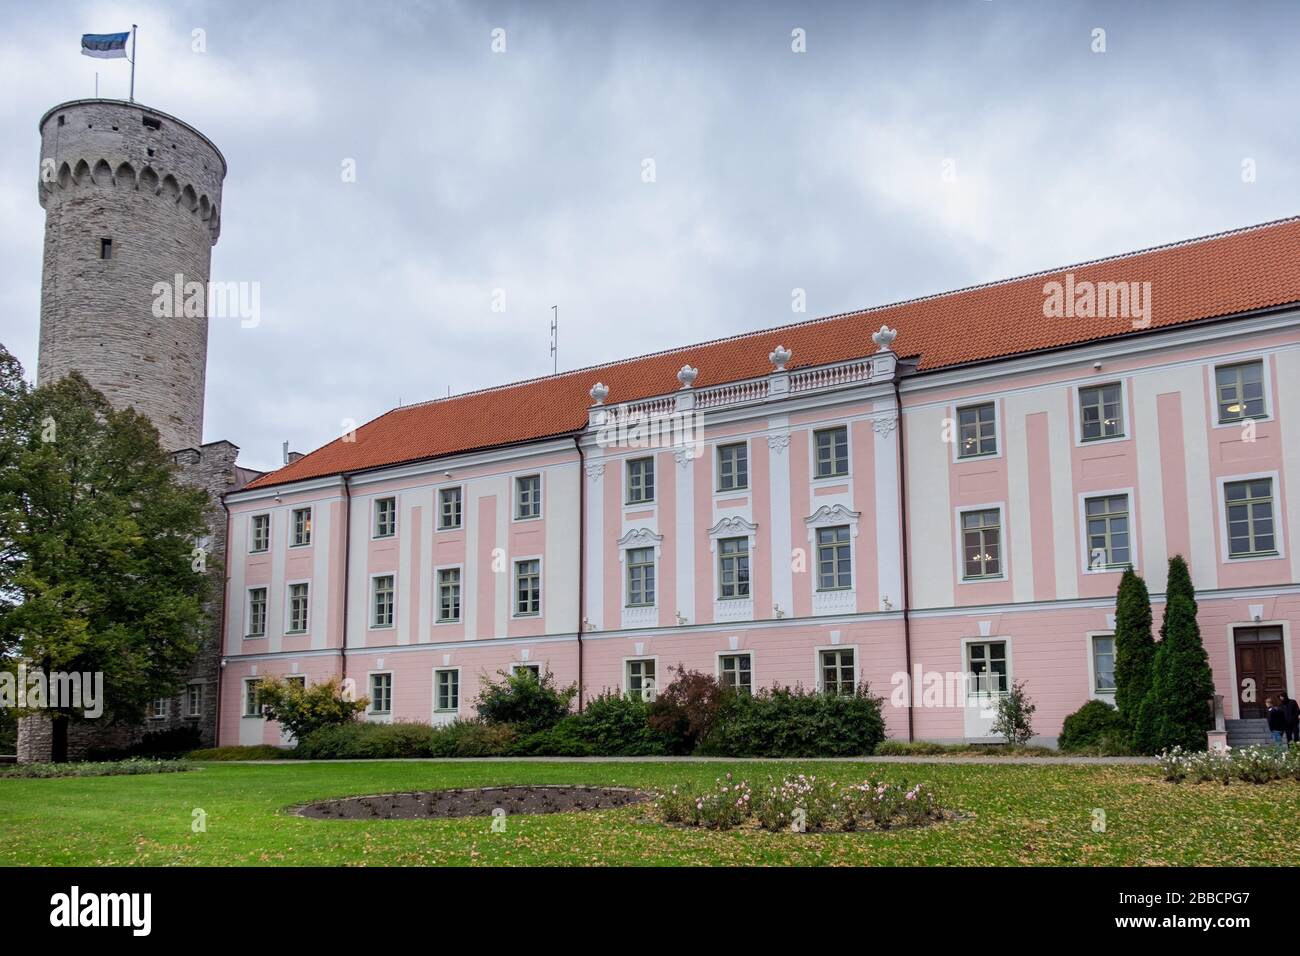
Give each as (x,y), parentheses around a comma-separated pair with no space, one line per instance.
(1015,715)
(1176,712)
(97,539)
(1135,650)
(685,711)
(300,709)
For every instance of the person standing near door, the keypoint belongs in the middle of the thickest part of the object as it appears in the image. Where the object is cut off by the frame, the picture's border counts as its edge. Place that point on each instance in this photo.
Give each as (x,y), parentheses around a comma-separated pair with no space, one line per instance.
(1291,710)
(1276,721)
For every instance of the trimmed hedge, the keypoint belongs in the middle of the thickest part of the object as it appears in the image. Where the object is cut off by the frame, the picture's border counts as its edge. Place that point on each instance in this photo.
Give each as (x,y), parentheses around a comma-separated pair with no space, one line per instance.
(131,766)
(258,752)
(781,722)
(1094,726)
(373,741)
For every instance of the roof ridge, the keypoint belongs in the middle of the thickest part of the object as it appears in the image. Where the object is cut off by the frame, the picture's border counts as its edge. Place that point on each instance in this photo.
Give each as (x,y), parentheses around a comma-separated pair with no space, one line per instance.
(992,284)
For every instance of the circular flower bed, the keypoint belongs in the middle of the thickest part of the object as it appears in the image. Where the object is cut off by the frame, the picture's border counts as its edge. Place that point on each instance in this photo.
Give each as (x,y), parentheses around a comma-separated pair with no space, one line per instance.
(802,803)
(486,801)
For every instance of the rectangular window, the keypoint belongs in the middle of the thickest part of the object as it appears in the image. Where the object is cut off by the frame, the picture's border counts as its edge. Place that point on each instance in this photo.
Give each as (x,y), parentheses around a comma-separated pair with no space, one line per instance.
(449,595)
(382,603)
(1108,531)
(105,248)
(158,709)
(385,517)
(301,529)
(641,678)
(447,683)
(1239,390)
(640,480)
(381,693)
(528,587)
(251,707)
(527,670)
(528,497)
(256,612)
(832,452)
(981,544)
(297,608)
(736,670)
(977,430)
(448,508)
(260,533)
(733,568)
(837,671)
(1103,663)
(987,665)
(1250,517)
(834,564)
(640,577)
(297,681)
(194,700)
(1101,412)
(733,467)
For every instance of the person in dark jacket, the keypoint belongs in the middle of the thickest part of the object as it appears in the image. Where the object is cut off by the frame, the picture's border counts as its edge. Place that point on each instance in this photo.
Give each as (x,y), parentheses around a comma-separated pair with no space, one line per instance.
(1276,720)
(1291,710)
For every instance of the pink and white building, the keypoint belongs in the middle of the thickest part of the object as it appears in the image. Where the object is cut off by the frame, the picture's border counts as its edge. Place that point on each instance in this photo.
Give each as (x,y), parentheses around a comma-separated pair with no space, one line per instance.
(945,486)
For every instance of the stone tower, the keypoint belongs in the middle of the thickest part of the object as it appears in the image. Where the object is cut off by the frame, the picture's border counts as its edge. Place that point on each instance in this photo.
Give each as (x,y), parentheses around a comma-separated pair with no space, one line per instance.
(132,199)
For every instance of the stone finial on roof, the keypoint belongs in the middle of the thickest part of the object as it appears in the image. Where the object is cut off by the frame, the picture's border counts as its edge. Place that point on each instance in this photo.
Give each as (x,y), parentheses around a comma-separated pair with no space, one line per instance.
(779,357)
(687,376)
(599,392)
(884,338)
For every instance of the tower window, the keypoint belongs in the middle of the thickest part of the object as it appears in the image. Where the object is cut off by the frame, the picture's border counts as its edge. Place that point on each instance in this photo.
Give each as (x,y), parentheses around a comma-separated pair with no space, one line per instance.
(62,120)
(106,248)
(152,122)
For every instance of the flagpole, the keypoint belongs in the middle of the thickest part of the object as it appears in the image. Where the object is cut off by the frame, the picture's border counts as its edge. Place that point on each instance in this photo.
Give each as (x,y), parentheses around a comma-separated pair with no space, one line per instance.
(133,62)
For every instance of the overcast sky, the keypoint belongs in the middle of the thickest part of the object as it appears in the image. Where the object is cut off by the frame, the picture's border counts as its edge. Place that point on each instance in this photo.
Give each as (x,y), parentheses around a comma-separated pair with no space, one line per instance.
(523,170)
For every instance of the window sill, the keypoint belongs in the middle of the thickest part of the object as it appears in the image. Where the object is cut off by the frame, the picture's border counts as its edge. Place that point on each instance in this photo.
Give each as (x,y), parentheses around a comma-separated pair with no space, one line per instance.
(451,527)
(450,620)
(254,637)
(295,633)
(839,477)
(524,617)
(980,457)
(1103,439)
(983,579)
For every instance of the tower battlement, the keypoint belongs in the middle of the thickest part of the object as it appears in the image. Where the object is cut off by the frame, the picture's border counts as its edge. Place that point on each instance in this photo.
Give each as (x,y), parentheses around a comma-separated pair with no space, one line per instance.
(132,198)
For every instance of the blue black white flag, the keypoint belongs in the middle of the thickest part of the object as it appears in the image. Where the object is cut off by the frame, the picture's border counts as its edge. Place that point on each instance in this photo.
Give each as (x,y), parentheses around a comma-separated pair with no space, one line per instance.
(104,46)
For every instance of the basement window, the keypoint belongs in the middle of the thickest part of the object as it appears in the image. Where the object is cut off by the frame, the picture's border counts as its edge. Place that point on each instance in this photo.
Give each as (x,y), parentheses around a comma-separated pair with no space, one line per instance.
(106,248)
(152,122)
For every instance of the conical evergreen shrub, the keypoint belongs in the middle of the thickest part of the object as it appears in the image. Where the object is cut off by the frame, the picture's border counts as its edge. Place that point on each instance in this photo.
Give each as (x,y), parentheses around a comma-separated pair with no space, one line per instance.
(1176,711)
(1135,650)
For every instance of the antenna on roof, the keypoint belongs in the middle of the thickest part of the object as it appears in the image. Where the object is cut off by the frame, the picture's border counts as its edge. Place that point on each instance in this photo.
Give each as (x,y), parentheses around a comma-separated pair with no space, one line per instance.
(555,338)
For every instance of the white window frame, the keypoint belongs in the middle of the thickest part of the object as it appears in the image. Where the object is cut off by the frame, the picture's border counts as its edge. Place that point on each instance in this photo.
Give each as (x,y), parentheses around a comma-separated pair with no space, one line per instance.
(1267,374)
(438,525)
(374,520)
(158,708)
(288,608)
(514,587)
(373,593)
(190,689)
(256,714)
(371,713)
(957,409)
(820,683)
(1134,538)
(517,666)
(449,710)
(311,525)
(248,611)
(1279,521)
(252,532)
(1093,693)
(437,594)
(813,431)
(515,488)
(1001,508)
(748,486)
(966,643)
(1076,409)
(627,481)
(753,665)
(627,675)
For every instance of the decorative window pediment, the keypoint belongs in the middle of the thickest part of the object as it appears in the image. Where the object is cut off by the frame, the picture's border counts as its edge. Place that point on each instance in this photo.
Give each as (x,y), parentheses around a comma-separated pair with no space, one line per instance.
(733,526)
(640,538)
(828,515)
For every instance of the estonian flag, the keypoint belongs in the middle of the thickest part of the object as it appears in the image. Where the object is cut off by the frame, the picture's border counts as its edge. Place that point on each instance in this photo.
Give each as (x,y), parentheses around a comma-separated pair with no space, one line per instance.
(104,46)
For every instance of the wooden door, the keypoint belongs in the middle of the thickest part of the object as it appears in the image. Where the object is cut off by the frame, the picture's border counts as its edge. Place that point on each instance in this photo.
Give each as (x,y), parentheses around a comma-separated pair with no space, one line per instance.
(1261,668)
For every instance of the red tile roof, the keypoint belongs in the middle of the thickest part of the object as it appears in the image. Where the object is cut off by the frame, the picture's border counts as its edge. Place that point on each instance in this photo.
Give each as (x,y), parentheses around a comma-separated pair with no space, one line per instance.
(1233,272)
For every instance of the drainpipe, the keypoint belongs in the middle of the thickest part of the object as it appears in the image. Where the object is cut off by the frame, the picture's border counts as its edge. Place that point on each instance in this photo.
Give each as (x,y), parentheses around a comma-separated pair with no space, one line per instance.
(907,578)
(582,555)
(347,562)
(221,630)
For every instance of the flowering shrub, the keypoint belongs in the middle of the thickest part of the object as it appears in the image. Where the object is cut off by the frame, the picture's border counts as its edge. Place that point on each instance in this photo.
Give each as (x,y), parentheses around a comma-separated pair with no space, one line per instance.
(801,803)
(1260,763)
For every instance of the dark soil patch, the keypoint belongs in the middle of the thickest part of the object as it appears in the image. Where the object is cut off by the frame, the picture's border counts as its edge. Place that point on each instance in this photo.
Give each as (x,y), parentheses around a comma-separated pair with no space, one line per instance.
(434,804)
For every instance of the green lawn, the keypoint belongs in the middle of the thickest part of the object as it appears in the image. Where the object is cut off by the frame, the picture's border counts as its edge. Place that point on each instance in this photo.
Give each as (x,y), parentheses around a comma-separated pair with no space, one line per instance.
(1035,815)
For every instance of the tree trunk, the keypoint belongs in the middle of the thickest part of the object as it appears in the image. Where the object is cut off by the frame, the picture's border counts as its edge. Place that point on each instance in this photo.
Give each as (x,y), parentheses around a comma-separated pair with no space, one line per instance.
(59,739)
